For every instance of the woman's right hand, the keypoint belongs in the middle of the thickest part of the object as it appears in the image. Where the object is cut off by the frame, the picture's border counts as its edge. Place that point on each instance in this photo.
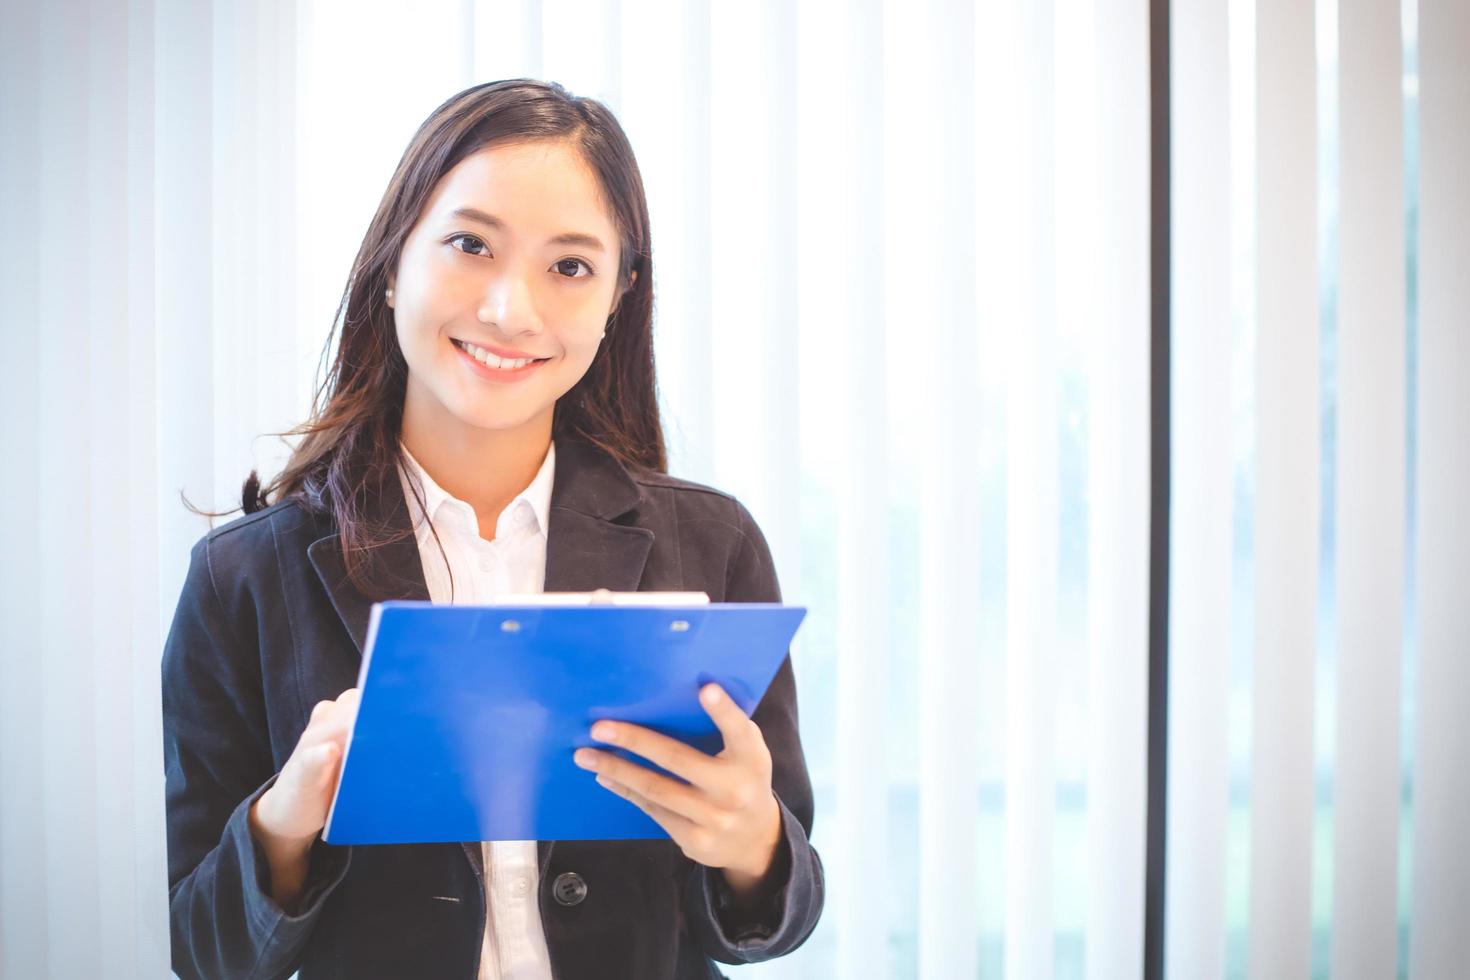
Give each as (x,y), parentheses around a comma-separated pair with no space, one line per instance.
(290,814)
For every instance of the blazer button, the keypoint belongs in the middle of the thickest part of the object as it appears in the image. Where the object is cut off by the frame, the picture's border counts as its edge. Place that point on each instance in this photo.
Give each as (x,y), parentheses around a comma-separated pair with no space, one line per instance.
(569,889)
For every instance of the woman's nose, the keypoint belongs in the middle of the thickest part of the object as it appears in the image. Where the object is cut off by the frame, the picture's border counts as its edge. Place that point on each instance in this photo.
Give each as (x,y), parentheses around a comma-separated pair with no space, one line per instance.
(510,303)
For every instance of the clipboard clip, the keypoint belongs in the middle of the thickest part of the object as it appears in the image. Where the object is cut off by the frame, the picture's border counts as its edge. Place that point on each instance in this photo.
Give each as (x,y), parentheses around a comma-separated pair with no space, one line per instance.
(603,598)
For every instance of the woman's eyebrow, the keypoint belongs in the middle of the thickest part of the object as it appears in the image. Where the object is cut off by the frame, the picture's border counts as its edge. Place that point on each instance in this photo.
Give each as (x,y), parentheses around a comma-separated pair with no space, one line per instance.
(566,238)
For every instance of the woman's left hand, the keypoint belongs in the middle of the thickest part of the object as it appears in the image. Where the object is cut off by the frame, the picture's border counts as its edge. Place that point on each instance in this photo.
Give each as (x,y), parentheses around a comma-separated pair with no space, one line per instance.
(726,816)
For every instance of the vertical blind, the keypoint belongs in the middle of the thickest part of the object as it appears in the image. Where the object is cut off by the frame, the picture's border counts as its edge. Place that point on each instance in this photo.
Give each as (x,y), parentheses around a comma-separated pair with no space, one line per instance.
(902,310)
(1440,625)
(1317,775)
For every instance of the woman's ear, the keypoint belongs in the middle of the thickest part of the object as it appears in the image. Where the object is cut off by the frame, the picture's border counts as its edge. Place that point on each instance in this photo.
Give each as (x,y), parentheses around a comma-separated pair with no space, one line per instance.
(632,278)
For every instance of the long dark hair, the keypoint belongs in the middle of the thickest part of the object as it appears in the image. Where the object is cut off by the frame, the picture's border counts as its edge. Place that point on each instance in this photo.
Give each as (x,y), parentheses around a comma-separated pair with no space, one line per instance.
(351,441)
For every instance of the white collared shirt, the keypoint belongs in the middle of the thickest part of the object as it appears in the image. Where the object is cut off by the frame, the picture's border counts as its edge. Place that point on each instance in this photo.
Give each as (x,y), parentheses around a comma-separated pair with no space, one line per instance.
(515,942)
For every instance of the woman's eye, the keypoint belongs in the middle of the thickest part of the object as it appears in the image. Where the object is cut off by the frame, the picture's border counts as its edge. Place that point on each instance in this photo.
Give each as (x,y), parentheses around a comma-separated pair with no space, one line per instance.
(470,238)
(563,265)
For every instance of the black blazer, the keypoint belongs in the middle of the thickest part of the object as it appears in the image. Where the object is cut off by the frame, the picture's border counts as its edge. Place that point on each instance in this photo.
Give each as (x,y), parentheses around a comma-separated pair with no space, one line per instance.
(268,624)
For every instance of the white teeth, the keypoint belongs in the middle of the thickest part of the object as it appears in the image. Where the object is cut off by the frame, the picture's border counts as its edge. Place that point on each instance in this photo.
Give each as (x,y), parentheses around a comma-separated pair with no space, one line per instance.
(490,360)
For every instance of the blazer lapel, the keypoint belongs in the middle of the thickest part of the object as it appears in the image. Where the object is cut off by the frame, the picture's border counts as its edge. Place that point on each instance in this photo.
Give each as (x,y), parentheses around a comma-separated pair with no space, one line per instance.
(586,548)
(396,564)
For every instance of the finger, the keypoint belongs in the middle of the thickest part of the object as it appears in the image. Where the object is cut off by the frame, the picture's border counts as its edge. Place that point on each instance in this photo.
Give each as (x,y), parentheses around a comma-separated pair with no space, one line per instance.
(682,760)
(678,826)
(343,710)
(346,714)
(334,731)
(346,701)
(741,735)
(321,710)
(308,770)
(330,721)
(687,801)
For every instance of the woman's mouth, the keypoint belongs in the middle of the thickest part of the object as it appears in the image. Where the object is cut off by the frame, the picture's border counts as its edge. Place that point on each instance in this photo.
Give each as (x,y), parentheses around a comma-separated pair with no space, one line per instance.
(492,366)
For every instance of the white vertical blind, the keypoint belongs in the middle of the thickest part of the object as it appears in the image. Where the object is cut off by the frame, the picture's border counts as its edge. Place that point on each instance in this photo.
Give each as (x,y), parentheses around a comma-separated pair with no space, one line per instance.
(850,230)
(1201,519)
(142,820)
(1370,490)
(692,419)
(944,321)
(1031,522)
(64,519)
(109,399)
(22,822)
(780,491)
(1338,839)
(900,260)
(1288,436)
(1118,498)
(999,170)
(1439,942)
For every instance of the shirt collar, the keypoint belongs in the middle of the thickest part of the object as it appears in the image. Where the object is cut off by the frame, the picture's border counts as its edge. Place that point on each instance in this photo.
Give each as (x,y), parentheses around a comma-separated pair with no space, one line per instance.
(537,494)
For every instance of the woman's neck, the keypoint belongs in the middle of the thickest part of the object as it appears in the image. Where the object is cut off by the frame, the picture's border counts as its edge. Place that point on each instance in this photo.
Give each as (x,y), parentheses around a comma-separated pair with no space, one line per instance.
(486,468)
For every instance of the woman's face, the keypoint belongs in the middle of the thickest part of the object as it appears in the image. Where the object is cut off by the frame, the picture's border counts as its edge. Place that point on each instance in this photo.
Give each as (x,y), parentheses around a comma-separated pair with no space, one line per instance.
(504,287)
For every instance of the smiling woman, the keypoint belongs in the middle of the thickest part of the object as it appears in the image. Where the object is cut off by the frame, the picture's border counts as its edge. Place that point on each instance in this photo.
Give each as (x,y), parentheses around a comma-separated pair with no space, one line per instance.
(489,425)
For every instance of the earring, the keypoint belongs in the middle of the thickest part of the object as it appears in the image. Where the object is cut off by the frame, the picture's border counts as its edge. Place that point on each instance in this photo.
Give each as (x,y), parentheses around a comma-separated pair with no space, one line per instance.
(388,294)
(601,335)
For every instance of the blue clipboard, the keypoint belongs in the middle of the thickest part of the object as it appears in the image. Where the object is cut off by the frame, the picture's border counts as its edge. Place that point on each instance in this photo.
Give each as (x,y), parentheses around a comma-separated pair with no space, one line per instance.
(469,715)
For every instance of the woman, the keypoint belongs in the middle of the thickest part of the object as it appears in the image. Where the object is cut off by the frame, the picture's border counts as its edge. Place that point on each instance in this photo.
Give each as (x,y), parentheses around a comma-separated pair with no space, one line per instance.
(489,423)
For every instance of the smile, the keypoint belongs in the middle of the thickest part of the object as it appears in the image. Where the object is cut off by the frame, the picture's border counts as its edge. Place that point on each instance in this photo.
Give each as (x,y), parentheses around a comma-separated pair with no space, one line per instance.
(495,362)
